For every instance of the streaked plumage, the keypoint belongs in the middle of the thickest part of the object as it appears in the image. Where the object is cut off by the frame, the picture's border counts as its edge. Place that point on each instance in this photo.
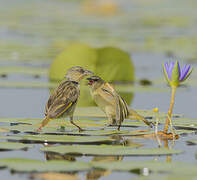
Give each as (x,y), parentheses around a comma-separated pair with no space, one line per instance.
(112,104)
(63,100)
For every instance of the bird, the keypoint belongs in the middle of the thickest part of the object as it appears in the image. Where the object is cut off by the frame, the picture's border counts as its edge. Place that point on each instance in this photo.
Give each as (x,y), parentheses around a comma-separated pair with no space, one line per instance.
(63,100)
(111,103)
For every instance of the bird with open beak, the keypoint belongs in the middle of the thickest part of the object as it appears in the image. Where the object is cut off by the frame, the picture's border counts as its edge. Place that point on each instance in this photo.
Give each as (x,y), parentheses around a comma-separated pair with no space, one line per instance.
(63,100)
(111,103)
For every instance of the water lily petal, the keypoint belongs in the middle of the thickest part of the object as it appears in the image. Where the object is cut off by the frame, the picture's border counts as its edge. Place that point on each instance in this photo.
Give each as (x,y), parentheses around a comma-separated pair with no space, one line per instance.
(185,72)
(171,66)
(182,72)
(179,69)
(165,70)
(166,66)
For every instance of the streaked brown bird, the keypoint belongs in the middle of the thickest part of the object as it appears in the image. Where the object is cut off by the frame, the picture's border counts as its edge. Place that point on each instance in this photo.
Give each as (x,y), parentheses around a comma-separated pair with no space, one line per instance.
(112,104)
(63,100)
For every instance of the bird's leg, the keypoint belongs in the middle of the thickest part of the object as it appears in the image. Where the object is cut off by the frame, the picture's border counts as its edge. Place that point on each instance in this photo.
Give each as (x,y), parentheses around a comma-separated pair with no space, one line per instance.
(110,122)
(119,127)
(72,122)
(44,123)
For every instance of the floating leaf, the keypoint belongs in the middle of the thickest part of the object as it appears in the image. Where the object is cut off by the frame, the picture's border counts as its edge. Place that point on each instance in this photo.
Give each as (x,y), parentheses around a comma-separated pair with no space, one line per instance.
(28,165)
(23,70)
(110,150)
(67,130)
(8,84)
(20,121)
(93,149)
(193,141)
(89,112)
(179,176)
(14,146)
(154,166)
(58,138)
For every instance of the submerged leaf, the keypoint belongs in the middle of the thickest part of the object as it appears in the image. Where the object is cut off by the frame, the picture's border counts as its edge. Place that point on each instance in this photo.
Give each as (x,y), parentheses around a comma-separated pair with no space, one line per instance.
(2,130)
(56,176)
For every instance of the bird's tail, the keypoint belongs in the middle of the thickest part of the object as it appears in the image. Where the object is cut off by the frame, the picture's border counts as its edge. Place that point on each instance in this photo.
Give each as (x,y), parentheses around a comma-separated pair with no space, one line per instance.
(139,117)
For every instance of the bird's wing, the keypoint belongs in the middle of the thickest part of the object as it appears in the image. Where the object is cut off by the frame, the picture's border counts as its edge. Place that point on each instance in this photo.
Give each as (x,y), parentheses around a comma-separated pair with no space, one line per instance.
(56,93)
(123,109)
(120,104)
(108,93)
(63,98)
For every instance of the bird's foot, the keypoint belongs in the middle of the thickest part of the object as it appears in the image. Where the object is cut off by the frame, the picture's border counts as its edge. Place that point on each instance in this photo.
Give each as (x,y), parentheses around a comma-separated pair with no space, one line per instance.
(107,125)
(152,125)
(81,130)
(39,129)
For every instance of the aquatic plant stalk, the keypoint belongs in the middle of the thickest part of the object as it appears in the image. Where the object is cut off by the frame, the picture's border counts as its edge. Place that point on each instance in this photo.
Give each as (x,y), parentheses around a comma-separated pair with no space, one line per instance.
(168,119)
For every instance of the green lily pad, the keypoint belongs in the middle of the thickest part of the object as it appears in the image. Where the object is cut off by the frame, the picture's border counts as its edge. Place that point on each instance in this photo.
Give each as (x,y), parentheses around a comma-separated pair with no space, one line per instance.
(110,150)
(22,121)
(27,84)
(154,166)
(58,138)
(68,130)
(93,149)
(168,177)
(192,141)
(23,70)
(29,165)
(14,146)
(109,59)
(76,54)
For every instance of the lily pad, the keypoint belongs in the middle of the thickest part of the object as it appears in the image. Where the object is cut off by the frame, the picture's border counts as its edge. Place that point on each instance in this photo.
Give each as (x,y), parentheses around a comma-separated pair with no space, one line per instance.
(29,165)
(27,84)
(110,150)
(68,130)
(76,54)
(93,149)
(154,166)
(58,138)
(109,59)
(14,146)
(179,176)
(23,70)
(193,141)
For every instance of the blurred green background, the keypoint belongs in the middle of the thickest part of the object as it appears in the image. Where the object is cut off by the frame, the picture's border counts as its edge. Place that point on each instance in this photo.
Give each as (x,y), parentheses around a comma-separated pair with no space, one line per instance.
(40,29)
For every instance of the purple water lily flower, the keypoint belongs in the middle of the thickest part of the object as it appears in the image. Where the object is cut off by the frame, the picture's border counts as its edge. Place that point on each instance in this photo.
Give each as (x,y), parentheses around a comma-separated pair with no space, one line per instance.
(174,74)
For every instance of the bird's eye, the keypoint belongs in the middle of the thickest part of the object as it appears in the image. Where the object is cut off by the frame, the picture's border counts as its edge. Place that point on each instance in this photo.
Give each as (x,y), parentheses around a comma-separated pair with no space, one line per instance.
(81,71)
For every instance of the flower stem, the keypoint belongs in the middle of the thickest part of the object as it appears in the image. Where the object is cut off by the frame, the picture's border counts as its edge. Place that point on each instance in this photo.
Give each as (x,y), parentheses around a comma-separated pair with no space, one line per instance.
(170,109)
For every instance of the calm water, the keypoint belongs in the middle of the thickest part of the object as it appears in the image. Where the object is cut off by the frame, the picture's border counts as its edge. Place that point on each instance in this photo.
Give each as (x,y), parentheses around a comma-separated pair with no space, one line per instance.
(33,32)
(29,103)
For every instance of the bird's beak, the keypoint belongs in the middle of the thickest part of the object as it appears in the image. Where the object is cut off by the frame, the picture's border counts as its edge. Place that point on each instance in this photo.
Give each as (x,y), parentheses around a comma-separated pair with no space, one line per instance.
(90,81)
(87,72)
